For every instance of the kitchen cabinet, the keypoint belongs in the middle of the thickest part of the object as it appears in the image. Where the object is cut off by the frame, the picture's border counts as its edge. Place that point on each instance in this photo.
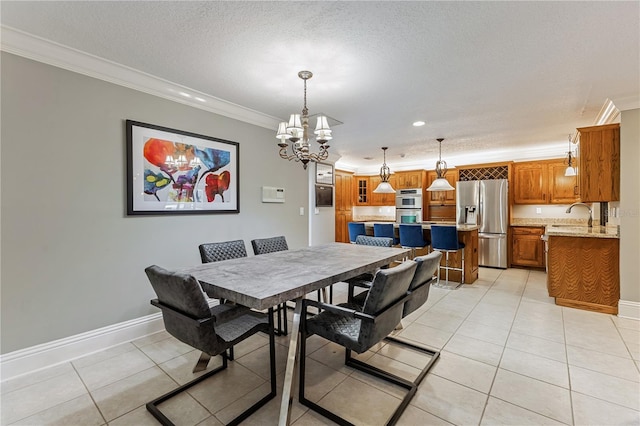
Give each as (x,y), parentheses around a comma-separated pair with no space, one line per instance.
(530,183)
(562,189)
(344,204)
(382,199)
(543,182)
(599,163)
(527,246)
(442,198)
(363,191)
(584,272)
(409,180)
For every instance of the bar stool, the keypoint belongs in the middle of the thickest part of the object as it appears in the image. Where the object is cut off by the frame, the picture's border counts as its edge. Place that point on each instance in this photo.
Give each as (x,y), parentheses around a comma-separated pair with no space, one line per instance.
(355,229)
(385,230)
(411,236)
(445,239)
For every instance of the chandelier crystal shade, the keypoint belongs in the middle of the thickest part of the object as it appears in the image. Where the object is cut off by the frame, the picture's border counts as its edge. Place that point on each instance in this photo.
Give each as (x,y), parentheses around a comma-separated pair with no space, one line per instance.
(440,184)
(570,161)
(384,187)
(296,132)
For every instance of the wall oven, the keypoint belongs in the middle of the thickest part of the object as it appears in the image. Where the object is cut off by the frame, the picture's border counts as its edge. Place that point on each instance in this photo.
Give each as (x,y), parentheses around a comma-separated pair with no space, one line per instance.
(408,215)
(409,198)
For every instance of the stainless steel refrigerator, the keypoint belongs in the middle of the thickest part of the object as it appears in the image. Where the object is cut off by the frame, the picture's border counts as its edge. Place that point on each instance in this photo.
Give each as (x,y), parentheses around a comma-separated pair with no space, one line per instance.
(485,203)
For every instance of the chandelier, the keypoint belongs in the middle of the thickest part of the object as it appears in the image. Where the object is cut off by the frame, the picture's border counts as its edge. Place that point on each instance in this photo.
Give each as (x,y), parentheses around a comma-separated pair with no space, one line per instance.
(440,184)
(297,132)
(384,187)
(569,161)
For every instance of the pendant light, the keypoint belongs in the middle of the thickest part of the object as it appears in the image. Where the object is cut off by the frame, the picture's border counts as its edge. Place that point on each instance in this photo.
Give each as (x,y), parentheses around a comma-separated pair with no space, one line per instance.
(571,170)
(440,184)
(384,187)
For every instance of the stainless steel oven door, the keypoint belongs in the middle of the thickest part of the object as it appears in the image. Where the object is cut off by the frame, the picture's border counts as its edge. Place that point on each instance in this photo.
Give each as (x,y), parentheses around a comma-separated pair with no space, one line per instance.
(408,215)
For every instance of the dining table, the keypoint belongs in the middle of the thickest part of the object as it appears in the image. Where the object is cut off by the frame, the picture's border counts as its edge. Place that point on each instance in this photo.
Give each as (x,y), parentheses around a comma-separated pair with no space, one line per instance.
(264,281)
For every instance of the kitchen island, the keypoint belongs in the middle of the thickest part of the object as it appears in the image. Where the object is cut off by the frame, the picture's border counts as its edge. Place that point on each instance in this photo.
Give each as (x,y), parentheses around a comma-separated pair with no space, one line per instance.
(468,234)
(583,267)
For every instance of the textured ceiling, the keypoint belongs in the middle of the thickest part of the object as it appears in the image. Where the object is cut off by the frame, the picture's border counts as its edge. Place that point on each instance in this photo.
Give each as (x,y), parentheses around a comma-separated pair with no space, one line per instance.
(499,78)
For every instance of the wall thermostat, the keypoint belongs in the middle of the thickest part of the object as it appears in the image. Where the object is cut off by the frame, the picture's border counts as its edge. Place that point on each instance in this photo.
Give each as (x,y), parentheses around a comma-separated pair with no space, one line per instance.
(272,194)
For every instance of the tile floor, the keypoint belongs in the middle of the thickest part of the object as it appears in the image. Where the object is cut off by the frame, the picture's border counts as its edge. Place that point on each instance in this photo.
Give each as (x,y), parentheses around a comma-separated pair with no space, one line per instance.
(508,356)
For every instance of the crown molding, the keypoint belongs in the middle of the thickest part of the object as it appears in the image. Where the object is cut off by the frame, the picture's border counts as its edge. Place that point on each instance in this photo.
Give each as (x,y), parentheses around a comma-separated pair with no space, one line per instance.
(42,50)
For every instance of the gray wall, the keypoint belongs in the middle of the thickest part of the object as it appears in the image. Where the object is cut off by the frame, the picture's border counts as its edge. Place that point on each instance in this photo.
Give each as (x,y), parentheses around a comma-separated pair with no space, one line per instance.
(630,205)
(72,261)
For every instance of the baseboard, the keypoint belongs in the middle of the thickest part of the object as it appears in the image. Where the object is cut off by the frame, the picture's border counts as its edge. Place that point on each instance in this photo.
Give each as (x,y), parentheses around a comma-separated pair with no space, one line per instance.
(29,360)
(629,309)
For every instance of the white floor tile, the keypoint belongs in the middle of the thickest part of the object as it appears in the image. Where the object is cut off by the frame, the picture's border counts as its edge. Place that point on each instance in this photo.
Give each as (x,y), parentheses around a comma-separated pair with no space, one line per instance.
(602,386)
(543,398)
(593,411)
(536,367)
(500,412)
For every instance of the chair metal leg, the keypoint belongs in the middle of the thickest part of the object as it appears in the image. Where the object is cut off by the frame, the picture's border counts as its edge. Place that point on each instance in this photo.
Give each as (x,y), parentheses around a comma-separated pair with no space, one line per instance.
(202,363)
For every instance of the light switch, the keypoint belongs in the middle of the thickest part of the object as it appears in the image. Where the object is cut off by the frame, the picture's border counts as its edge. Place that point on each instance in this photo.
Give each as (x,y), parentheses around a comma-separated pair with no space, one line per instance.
(538,210)
(301,211)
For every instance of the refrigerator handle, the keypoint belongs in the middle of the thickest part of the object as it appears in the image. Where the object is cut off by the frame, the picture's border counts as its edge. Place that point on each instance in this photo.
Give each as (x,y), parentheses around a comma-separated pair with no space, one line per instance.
(491,236)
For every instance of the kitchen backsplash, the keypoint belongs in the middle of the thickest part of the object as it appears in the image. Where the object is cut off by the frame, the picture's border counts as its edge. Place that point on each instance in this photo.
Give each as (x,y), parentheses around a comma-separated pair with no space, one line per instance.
(363,213)
(557,213)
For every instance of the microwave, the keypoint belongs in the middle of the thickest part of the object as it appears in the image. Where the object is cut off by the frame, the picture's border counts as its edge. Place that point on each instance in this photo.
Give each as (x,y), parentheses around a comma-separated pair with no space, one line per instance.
(409,198)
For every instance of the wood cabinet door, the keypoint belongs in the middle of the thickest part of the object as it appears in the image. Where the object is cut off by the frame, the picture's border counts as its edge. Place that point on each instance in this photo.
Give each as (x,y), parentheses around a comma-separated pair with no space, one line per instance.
(344,203)
(528,248)
(562,189)
(409,180)
(342,227)
(530,183)
(599,171)
(362,191)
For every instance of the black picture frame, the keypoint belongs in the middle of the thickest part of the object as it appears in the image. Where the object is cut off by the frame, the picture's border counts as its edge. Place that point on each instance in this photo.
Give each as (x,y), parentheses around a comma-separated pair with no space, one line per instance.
(176,172)
(324,196)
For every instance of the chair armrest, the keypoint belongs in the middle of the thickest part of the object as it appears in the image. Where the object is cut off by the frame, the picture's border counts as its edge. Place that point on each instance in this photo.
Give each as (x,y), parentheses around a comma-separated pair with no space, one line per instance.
(339,310)
(169,310)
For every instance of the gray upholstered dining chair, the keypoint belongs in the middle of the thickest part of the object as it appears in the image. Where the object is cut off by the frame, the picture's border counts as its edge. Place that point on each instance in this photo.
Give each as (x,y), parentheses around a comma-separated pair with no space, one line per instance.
(188,317)
(272,245)
(216,252)
(365,279)
(358,328)
(225,250)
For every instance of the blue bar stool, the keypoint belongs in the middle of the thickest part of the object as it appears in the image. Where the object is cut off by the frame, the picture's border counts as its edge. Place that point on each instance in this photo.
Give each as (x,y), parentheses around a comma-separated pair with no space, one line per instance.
(355,229)
(385,230)
(411,236)
(445,239)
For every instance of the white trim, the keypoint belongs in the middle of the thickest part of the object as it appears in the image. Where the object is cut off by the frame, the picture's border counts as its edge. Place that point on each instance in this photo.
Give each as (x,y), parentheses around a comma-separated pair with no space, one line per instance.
(629,309)
(48,52)
(47,355)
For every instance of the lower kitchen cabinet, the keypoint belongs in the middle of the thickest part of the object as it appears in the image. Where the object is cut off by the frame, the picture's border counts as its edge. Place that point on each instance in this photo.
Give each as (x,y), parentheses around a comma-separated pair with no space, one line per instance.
(584,272)
(527,246)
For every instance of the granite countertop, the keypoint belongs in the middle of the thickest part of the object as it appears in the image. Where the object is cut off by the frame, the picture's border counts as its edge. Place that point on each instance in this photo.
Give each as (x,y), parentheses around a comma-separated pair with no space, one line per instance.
(427,225)
(547,221)
(583,231)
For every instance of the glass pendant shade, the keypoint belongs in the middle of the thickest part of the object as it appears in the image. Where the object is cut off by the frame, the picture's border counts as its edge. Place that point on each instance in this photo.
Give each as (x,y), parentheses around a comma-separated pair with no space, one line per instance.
(570,171)
(440,184)
(384,187)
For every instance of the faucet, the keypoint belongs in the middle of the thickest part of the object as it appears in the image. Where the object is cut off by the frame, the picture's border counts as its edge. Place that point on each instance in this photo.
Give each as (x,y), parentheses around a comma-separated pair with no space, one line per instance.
(590,223)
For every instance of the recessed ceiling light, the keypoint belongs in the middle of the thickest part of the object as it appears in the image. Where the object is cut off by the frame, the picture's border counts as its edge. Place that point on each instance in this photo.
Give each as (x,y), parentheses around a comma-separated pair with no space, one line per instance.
(419,123)
(368,158)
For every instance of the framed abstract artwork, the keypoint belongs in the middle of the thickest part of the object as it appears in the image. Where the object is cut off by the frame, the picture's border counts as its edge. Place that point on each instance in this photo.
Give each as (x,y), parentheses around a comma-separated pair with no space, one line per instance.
(175,172)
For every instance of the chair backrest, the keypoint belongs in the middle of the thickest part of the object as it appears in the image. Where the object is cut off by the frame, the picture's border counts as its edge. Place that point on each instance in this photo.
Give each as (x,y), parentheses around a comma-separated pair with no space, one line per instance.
(182,293)
(269,245)
(383,230)
(427,266)
(444,237)
(367,240)
(388,286)
(411,236)
(355,229)
(216,252)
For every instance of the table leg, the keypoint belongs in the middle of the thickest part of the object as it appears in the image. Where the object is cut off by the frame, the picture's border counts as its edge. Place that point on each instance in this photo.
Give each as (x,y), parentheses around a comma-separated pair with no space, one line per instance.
(290,372)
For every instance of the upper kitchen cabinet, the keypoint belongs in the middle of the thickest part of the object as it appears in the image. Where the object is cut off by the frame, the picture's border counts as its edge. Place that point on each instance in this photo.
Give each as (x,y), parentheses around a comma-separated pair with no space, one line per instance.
(363,191)
(409,180)
(543,182)
(530,183)
(599,163)
(344,204)
(382,199)
(442,198)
